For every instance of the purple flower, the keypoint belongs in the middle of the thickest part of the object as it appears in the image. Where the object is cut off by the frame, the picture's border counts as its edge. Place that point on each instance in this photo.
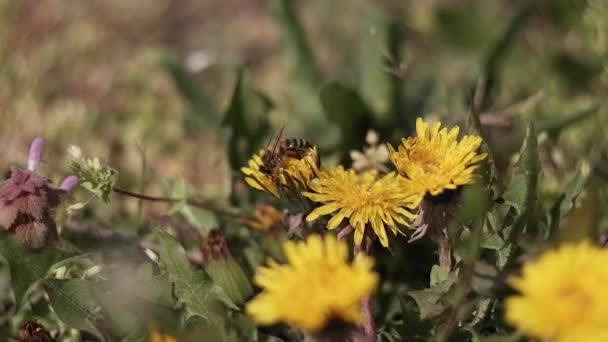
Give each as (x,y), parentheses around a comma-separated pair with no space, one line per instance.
(27,202)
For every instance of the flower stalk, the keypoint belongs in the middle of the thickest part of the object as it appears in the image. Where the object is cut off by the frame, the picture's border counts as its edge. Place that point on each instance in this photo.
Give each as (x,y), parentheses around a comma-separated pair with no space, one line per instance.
(369,325)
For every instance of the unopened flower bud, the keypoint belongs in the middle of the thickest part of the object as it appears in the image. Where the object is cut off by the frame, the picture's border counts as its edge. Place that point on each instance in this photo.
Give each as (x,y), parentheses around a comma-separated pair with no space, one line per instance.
(223,268)
(69,183)
(35,155)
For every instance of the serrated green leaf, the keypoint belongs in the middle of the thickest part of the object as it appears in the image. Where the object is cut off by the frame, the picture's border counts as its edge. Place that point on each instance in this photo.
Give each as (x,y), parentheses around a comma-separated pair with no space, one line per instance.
(73,303)
(429,300)
(27,266)
(520,195)
(521,191)
(564,204)
(193,288)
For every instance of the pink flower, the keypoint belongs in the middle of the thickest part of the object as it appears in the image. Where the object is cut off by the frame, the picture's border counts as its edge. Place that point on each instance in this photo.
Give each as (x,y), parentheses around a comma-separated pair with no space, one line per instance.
(27,202)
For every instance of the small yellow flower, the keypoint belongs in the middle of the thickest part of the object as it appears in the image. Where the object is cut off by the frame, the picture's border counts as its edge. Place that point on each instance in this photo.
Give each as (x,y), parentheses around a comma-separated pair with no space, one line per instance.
(316,286)
(156,336)
(436,160)
(266,218)
(293,174)
(563,295)
(364,199)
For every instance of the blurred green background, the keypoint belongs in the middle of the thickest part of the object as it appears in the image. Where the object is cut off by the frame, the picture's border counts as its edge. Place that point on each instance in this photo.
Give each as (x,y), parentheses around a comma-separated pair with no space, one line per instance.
(165,90)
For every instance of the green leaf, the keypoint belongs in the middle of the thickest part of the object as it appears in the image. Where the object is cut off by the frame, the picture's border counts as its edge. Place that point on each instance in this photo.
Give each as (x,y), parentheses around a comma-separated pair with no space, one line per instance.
(412,328)
(27,266)
(379,84)
(130,307)
(520,195)
(521,191)
(438,275)
(298,55)
(475,200)
(564,204)
(499,51)
(247,116)
(344,107)
(247,113)
(429,300)
(190,91)
(203,220)
(193,288)
(73,303)
(487,169)
(559,122)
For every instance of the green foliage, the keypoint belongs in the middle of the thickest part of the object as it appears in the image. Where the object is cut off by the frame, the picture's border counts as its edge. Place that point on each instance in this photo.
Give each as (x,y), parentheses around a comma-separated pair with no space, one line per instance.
(343,70)
(193,288)
(379,82)
(344,107)
(207,305)
(247,117)
(73,303)
(563,205)
(521,192)
(27,267)
(202,111)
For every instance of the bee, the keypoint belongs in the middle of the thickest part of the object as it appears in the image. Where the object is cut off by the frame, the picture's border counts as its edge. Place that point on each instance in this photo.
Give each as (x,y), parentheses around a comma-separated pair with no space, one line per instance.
(274,160)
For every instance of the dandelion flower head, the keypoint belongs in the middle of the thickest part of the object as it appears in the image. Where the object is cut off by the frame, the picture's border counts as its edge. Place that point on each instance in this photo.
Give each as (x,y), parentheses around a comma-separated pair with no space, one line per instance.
(316,286)
(380,201)
(435,158)
(563,295)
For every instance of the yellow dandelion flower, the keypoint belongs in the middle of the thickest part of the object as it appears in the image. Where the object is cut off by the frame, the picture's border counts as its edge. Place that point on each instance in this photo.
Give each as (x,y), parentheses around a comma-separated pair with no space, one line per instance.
(266,218)
(563,295)
(293,174)
(435,158)
(364,199)
(317,286)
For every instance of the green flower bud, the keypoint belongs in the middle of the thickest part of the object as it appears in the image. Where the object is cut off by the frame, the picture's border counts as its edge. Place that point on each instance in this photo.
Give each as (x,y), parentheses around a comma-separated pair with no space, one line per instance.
(223,268)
